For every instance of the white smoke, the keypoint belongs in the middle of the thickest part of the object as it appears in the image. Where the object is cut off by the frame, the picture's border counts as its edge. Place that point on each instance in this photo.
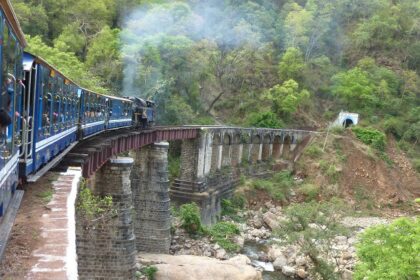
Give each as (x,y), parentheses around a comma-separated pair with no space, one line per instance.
(209,20)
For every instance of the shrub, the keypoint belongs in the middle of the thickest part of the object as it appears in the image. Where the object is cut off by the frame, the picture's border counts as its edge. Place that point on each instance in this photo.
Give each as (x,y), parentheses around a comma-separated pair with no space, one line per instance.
(278,187)
(312,226)
(265,119)
(371,136)
(92,207)
(222,233)
(395,126)
(190,218)
(390,251)
(174,164)
(310,191)
(149,271)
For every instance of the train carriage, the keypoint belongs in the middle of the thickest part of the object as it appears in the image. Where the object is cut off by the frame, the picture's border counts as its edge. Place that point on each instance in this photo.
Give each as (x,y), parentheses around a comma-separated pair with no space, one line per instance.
(93,113)
(120,112)
(11,49)
(51,107)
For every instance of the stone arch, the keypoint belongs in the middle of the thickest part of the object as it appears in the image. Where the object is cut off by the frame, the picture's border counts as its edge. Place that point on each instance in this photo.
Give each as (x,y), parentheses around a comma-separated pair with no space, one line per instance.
(236,149)
(245,139)
(255,148)
(215,154)
(348,122)
(276,147)
(266,148)
(287,141)
(226,150)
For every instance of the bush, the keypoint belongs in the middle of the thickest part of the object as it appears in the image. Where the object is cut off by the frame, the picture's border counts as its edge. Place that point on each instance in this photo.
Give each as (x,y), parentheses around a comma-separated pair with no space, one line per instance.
(190,218)
(395,126)
(265,119)
(222,233)
(371,136)
(93,207)
(149,271)
(310,191)
(390,251)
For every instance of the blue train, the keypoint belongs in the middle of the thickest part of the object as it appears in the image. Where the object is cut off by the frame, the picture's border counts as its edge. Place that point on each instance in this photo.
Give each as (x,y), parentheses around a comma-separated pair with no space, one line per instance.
(43,114)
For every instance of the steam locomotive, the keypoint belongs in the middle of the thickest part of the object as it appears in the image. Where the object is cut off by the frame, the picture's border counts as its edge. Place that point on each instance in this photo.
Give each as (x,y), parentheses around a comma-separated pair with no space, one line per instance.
(43,113)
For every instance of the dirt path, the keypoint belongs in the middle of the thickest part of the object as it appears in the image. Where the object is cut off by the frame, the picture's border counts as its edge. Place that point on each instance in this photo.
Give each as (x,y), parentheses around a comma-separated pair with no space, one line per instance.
(26,232)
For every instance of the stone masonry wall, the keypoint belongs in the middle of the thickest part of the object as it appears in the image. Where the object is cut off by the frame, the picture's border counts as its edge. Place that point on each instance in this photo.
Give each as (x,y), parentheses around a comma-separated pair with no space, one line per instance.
(150,186)
(106,247)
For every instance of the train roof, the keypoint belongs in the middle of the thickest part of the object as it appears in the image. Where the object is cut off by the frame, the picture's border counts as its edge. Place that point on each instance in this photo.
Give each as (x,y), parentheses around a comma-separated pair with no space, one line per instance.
(29,59)
(12,19)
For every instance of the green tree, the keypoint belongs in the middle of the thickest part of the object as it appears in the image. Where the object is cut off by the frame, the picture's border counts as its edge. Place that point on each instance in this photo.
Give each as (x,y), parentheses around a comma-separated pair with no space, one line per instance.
(355,88)
(66,62)
(287,97)
(291,65)
(390,251)
(104,57)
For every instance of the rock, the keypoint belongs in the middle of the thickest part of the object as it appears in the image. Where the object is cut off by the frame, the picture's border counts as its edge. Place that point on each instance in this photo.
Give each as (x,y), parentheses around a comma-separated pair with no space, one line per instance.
(239,240)
(257,233)
(347,275)
(240,259)
(301,261)
(341,240)
(196,267)
(257,221)
(221,254)
(216,247)
(346,255)
(279,262)
(288,270)
(271,220)
(274,252)
(302,273)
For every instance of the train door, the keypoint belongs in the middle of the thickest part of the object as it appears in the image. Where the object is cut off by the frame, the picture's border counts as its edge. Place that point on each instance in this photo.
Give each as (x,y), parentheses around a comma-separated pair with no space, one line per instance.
(28,120)
(108,111)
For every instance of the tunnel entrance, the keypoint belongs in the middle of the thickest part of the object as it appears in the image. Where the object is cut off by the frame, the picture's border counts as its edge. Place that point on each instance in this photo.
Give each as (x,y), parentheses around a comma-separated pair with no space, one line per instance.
(348,123)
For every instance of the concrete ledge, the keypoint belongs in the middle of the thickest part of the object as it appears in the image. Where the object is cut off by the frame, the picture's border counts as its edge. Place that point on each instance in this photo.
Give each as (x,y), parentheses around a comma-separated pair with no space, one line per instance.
(122,160)
(162,144)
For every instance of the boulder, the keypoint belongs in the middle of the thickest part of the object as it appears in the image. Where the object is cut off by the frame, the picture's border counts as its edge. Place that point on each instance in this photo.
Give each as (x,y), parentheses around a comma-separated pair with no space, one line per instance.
(279,262)
(302,273)
(271,220)
(197,267)
(288,270)
(274,252)
(221,254)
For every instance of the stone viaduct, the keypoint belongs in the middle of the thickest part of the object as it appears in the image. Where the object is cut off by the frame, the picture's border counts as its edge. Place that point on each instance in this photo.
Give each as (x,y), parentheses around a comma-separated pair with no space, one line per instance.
(132,168)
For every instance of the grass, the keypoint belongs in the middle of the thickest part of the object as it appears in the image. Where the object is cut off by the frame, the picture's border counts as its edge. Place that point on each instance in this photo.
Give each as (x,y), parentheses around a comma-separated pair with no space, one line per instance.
(310,191)
(46,195)
(222,233)
(313,151)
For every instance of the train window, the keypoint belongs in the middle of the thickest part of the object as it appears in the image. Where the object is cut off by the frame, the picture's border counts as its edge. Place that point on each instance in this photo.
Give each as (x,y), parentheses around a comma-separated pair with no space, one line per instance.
(56,104)
(46,101)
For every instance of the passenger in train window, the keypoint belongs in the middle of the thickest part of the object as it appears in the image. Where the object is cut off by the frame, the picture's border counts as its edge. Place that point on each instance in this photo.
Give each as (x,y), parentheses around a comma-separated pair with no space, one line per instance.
(45,119)
(5,121)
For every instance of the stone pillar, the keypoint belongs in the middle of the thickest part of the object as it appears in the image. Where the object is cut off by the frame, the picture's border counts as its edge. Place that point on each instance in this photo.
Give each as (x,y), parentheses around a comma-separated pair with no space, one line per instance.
(106,247)
(151,199)
(189,158)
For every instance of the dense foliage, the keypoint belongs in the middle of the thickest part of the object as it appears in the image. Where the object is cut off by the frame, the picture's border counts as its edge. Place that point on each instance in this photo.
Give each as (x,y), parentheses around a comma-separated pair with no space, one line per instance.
(390,251)
(261,62)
